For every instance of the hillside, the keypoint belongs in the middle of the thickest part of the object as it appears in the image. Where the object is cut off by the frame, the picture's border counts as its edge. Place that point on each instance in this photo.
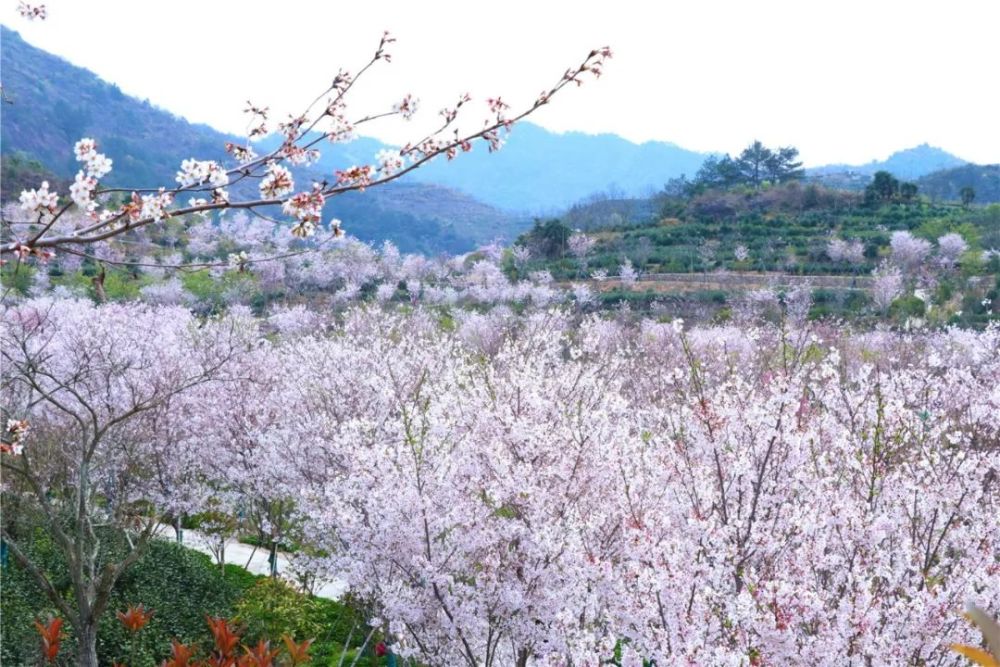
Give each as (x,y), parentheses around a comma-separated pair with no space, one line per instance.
(947,184)
(785,229)
(55,103)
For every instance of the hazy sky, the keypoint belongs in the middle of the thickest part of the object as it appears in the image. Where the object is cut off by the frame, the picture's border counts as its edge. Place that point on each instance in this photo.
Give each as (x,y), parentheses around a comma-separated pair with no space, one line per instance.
(843,81)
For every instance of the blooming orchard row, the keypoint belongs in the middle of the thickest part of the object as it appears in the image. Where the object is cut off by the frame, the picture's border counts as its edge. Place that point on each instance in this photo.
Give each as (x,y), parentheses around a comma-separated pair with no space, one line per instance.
(541,489)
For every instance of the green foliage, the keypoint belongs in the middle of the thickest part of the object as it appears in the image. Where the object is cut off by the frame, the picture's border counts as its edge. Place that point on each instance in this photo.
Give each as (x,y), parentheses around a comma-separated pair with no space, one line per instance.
(785,228)
(908,306)
(77,281)
(16,276)
(967,184)
(547,239)
(967,195)
(272,608)
(180,585)
(200,283)
(754,167)
(213,292)
(884,187)
(19,171)
(120,284)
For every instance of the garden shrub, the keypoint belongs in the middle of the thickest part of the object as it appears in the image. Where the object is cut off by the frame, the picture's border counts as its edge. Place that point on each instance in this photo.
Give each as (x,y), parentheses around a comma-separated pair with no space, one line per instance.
(181,586)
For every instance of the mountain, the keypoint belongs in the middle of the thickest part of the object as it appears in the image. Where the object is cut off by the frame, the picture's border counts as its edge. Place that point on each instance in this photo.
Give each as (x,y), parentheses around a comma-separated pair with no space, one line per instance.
(908,164)
(948,183)
(538,170)
(54,103)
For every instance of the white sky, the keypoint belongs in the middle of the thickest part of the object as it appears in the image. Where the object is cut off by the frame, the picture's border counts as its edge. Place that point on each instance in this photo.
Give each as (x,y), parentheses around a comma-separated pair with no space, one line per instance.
(844,81)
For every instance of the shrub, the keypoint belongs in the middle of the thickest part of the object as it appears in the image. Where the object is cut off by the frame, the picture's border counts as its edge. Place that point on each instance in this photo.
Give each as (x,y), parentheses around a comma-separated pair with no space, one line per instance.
(908,306)
(181,586)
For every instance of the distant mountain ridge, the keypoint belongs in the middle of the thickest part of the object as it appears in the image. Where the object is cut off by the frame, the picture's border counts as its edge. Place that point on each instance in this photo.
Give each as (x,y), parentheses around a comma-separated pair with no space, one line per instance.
(908,164)
(539,171)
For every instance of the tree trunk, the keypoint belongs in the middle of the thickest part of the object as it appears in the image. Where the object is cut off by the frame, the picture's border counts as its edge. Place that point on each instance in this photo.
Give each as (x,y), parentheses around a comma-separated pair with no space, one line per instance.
(522,658)
(87,650)
(98,283)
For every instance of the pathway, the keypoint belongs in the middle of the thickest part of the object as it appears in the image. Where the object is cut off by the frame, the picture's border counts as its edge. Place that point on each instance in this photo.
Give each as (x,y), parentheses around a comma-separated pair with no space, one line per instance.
(242,554)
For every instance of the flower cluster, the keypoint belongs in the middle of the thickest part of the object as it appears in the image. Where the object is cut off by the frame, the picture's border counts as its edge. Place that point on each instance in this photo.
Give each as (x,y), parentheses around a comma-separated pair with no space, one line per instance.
(406,107)
(14,435)
(242,154)
(40,200)
(32,12)
(341,129)
(291,128)
(197,172)
(152,206)
(81,190)
(299,156)
(358,177)
(239,260)
(258,120)
(96,166)
(389,161)
(848,252)
(307,209)
(277,182)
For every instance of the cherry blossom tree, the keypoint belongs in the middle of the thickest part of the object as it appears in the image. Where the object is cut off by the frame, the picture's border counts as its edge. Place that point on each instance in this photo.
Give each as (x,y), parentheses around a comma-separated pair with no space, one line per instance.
(580,246)
(102,400)
(907,251)
(534,491)
(950,249)
(851,253)
(888,285)
(627,273)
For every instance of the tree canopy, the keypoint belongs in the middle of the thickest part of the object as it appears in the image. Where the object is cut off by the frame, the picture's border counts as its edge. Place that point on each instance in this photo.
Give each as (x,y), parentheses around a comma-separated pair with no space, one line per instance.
(756,165)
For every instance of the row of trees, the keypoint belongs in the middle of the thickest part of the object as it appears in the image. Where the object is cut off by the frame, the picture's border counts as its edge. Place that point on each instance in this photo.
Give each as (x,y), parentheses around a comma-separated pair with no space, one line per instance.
(886,188)
(756,165)
(510,490)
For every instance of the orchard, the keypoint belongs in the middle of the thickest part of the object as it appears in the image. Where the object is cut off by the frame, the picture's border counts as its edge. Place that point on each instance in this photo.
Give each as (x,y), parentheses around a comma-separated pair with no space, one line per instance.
(500,472)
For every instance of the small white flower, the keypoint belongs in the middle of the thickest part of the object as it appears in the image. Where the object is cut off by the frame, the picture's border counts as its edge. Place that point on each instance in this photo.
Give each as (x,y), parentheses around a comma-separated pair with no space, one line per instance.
(33,201)
(81,189)
(98,165)
(84,149)
(278,181)
(388,161)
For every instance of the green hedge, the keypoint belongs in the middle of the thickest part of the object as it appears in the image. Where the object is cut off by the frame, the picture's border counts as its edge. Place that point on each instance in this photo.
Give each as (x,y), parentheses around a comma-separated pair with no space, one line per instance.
(180,585)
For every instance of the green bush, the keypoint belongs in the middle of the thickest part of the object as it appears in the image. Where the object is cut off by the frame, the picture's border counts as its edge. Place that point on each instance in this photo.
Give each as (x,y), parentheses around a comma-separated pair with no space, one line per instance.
(181,586)
(907,306)
(16,276)
(273,607)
